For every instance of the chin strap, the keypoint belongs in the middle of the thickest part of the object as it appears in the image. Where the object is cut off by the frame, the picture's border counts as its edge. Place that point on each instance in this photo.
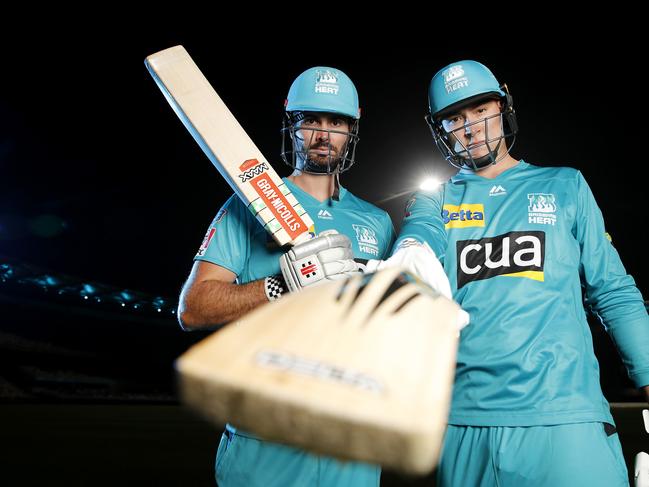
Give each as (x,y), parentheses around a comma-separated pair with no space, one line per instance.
(336,194)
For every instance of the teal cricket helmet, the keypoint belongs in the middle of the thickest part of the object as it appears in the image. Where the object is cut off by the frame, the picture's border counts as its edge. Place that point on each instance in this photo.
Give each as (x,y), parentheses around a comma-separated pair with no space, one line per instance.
(319,89)
(323,89)
(462,84)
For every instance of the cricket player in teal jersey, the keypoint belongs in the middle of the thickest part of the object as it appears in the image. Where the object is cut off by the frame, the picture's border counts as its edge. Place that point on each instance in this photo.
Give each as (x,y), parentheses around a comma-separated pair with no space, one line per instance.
(238,265)
(519,243)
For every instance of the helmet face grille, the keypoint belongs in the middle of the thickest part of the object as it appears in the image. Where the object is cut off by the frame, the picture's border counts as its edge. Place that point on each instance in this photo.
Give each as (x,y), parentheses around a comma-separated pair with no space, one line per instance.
(457,86)
(295,152)
(462,158)
(320,89)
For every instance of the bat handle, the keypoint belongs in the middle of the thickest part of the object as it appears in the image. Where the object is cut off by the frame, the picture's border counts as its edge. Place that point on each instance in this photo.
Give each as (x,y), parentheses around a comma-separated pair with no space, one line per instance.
(641,468)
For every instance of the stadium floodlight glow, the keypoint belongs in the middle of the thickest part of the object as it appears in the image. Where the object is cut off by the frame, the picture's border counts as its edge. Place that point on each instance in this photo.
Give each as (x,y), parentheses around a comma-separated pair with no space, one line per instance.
(429,184)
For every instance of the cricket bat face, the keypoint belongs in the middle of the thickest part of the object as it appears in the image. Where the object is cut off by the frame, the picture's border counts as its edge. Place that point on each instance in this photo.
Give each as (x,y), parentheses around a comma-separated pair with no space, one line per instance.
(368,380)
(228,146)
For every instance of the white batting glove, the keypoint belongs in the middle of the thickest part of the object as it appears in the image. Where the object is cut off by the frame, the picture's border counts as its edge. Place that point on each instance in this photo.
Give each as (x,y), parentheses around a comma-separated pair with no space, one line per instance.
(419,259)
(324,258)
(641,467)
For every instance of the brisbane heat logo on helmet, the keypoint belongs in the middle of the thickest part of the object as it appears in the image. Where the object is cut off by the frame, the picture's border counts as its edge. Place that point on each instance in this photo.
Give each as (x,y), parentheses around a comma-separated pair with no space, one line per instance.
(326,82)
(454,78)
(514,254)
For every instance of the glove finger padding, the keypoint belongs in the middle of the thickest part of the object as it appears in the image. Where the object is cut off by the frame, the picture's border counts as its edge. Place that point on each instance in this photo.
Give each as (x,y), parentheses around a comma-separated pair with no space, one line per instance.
(328,256)
(335,253)
(319,244)
(338,260)
(339,269)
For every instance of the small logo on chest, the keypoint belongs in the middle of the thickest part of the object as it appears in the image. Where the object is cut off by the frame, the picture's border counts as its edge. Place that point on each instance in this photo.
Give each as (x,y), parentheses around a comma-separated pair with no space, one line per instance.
(542,208)
(366,238)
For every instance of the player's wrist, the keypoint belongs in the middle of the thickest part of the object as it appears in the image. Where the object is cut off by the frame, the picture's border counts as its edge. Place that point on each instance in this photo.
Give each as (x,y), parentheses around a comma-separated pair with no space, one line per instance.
(275,287)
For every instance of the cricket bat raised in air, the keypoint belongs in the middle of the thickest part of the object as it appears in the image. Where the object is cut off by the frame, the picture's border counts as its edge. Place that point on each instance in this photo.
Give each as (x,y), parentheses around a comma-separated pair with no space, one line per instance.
(228,146)
(359,369)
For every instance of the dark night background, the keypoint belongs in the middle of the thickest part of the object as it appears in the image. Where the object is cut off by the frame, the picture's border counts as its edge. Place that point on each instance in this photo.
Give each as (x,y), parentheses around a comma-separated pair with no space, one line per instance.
(100,181)
(98,178)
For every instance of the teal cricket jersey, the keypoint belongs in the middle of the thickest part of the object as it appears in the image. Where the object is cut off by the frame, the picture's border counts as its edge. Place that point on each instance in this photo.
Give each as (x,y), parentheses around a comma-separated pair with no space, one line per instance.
(517,250)
(237,241)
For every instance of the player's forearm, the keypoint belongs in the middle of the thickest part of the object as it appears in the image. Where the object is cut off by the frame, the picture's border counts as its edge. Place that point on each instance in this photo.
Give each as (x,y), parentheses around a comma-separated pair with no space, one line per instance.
(213,303)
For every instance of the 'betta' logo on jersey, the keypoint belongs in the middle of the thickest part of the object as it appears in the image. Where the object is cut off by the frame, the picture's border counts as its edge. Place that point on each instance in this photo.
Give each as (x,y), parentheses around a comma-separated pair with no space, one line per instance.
(514,254)
(251,168)
(464,215)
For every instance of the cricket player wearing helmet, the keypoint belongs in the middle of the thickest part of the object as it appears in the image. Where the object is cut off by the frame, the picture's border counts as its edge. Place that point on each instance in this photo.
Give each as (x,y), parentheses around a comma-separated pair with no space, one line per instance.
(519,243)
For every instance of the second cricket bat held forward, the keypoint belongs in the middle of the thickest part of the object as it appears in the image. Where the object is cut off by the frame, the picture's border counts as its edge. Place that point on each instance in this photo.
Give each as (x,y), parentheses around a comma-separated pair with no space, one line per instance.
(360,369)
(228,146)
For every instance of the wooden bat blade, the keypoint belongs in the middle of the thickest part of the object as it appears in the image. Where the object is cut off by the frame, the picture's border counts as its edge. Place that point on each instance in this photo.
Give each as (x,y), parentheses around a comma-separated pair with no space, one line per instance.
(368,380)
(228,146)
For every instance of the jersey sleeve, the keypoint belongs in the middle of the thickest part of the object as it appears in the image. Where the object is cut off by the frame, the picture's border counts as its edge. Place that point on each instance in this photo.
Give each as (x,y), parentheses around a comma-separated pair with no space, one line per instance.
(423,221)
(610,292)
(227,241)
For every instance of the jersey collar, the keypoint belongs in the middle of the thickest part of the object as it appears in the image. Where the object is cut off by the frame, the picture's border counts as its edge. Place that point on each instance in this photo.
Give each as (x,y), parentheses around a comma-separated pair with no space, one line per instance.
(469,175)
(304,196)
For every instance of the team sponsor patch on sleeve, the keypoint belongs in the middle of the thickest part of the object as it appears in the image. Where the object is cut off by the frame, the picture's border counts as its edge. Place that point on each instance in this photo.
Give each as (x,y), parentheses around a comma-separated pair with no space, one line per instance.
(206,241)
(409,205)
(219,216)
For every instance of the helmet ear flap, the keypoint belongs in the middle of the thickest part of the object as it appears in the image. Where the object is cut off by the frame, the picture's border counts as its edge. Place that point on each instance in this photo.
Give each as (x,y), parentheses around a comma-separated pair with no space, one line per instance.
(295,117)
(508,109)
